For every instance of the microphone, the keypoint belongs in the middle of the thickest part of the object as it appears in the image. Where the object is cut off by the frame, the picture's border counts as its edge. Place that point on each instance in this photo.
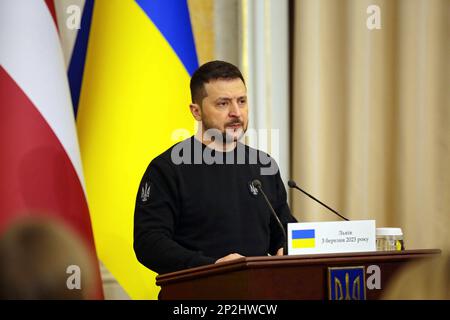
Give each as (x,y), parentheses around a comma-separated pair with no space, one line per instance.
(258,185)
(292,184)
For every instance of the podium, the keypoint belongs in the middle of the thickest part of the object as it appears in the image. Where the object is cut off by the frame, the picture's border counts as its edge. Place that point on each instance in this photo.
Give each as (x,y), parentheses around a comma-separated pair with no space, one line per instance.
(286,277)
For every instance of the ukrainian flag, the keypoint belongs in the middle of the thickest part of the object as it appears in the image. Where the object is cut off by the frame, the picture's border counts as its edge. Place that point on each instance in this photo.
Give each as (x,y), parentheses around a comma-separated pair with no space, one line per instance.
(134,103)
(303,238)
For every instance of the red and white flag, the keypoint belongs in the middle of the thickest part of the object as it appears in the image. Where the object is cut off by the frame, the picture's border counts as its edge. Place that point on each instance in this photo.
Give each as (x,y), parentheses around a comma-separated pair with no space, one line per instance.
(40,166)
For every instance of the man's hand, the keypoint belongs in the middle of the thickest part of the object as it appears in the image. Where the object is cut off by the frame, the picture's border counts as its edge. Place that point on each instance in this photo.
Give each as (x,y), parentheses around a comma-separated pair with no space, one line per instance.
(280,252)
(232,256)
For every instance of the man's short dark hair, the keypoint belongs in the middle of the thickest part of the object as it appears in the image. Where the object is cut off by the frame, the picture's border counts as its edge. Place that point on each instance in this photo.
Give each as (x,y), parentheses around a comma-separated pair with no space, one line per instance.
(212,70)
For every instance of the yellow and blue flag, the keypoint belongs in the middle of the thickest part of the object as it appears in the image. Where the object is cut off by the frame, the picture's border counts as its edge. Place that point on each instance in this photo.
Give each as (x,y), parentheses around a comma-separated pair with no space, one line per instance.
(134,96)
(303,238)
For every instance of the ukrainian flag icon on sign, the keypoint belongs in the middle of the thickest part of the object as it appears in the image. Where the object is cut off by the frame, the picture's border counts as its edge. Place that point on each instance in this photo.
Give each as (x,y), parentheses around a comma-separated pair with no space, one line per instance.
(303,238)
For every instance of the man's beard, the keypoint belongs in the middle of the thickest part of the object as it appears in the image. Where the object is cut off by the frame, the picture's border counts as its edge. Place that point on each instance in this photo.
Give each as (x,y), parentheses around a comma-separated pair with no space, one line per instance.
(226,137)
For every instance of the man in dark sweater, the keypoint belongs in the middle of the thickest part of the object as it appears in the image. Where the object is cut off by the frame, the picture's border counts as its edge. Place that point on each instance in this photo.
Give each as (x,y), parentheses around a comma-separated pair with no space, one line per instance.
(196,203)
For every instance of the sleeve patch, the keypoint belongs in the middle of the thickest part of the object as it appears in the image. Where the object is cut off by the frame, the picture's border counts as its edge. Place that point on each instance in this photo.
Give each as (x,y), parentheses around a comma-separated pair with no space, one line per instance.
(145,192)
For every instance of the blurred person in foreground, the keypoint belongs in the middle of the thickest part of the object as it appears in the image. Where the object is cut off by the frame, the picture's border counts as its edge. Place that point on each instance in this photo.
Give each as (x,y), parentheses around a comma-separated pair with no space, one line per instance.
(37,258)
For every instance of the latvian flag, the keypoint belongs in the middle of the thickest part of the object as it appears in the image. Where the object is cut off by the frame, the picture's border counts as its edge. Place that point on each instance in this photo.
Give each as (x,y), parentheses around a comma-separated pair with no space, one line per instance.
(40,166)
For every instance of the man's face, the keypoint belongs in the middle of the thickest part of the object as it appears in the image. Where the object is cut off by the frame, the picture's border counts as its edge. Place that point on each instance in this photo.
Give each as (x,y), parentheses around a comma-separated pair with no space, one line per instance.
(225,108)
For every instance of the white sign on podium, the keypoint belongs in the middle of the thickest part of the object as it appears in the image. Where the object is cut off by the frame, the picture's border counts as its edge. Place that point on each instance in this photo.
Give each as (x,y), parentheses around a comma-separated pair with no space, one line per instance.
(331,237)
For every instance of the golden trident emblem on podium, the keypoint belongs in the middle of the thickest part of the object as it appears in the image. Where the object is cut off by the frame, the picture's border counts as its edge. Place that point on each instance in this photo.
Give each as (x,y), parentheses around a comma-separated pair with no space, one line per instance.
(346,283)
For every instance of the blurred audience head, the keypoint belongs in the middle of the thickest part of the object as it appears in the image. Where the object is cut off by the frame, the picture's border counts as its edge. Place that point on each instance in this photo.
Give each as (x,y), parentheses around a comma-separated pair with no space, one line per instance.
(41,258)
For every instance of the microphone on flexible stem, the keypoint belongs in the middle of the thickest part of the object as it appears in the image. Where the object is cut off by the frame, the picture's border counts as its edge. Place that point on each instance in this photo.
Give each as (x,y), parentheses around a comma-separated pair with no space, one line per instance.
(292,184)
(258,185)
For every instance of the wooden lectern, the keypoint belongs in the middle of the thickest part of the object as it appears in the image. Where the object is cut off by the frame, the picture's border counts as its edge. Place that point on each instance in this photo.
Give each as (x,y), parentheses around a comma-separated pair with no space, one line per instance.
(286,277)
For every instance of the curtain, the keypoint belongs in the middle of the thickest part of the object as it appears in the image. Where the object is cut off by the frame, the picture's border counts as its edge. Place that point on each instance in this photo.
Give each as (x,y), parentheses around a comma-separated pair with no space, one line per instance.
(371,114)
